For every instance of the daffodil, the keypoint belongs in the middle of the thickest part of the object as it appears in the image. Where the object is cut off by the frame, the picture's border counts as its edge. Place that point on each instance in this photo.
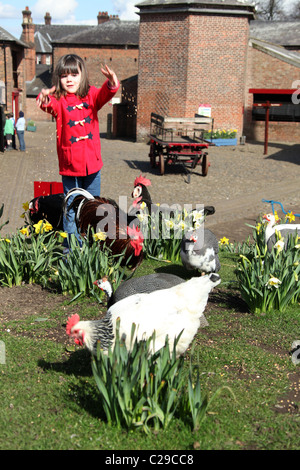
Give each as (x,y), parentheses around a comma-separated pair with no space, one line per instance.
(143,205)
(38,226)
(224,241)
(100,236)
(169,223)
(273,282)
(290,216)
(198,216)
(7,240)
(276,216)
(279,245)
(47,227)
(142,216)
(25,231)
(63,234)
(25,206)
(258,228)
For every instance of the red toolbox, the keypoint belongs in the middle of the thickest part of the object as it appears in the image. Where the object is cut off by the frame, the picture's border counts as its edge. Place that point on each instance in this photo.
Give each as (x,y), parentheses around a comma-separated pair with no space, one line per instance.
(45,188)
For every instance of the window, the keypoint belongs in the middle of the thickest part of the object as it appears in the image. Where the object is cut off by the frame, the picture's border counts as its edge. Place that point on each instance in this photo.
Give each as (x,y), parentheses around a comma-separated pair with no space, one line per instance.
(283,108)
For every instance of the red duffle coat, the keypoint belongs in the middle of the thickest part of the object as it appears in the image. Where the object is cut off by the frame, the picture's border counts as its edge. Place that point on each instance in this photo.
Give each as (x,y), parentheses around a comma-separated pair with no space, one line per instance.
(77,129)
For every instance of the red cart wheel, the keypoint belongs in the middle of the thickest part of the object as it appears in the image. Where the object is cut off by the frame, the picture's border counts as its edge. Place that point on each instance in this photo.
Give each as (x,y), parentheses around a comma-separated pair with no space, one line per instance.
(205,165)
(161,164)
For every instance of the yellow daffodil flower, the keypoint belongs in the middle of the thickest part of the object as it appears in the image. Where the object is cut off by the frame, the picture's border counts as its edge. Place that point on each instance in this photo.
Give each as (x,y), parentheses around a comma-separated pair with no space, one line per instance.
(25,231)
(63,234)
(47,227)
(224,241)
(100,236)
(290,217)
(25,206)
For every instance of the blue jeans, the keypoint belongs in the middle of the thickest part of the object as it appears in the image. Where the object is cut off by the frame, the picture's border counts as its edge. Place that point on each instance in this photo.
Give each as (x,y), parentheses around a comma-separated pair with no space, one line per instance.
(90,183)
(20,135)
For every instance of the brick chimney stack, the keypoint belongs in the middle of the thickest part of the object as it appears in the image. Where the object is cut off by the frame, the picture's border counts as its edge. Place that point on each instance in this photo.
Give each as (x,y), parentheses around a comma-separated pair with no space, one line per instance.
(47,18)
(28,37)
(102,17)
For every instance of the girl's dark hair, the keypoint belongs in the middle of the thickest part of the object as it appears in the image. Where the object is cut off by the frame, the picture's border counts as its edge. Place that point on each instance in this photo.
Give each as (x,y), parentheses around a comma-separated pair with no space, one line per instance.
(70,63)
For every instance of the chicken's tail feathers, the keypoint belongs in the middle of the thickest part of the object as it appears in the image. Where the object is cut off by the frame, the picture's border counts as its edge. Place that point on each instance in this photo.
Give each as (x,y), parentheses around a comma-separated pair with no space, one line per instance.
(76,192)
(72,321)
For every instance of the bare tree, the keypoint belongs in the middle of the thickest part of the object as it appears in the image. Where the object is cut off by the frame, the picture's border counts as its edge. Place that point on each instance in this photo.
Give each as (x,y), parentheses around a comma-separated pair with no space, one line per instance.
(270,10)
(294,14)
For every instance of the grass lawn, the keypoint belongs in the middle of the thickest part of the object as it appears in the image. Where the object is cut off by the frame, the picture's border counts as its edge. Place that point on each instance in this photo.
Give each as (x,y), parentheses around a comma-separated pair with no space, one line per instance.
(49,399)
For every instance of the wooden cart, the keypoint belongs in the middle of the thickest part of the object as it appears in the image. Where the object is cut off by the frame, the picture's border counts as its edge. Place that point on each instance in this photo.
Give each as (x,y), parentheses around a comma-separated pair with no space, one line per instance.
(178,140)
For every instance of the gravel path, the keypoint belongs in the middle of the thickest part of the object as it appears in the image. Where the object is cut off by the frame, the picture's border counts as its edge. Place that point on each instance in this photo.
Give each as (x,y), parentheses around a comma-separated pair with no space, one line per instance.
(237,181)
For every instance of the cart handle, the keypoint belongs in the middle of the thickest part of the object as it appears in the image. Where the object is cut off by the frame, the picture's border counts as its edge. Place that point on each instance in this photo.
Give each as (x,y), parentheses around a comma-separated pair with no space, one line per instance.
(270,201)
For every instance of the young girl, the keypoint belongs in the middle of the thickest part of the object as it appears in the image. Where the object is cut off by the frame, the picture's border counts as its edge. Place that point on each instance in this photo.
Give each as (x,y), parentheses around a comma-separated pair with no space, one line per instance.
(74,104)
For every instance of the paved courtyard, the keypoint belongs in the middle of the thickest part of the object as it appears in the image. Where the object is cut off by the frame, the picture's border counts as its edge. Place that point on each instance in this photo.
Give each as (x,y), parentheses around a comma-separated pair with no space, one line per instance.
(237,181)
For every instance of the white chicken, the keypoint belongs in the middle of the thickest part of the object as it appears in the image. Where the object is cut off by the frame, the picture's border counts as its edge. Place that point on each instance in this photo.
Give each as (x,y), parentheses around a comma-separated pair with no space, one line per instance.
(166,312)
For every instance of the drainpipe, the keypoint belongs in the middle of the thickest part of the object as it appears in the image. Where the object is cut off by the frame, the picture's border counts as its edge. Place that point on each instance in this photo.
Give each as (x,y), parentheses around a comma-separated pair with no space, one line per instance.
(5,75)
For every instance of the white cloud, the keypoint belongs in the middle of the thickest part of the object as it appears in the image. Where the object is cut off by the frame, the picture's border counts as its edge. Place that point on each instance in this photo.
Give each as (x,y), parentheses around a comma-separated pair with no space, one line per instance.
(126,10)
(59,10)
(8,11)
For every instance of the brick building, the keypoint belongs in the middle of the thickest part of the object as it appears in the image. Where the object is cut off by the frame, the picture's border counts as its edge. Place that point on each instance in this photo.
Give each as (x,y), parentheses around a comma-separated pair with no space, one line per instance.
(111,41)
(180,54)
(200,52)
(12,72)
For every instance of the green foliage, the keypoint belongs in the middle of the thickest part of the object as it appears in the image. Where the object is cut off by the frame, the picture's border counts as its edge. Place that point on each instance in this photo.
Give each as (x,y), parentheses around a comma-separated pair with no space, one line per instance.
(28,259)
(270,280)
(143,390)
(163,231)
(85,264)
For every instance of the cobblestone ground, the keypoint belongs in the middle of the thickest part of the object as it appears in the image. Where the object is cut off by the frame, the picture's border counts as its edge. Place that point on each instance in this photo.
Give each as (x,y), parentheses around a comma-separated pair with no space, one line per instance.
(237,181)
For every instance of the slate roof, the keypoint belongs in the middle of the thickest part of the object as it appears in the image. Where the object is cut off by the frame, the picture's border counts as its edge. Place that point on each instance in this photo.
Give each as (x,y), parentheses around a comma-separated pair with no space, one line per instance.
(45,34)
(279,52)
(284,33)
(41,80)
(5,36)
(112,33)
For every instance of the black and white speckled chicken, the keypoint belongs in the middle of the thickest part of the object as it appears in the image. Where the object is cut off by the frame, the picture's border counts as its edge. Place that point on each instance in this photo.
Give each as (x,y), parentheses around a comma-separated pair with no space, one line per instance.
(167,312)
(199,250)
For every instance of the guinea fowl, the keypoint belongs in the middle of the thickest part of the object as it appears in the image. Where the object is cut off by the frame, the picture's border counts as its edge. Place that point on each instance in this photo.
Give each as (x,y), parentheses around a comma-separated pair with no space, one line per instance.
(285,231)
(49,208)
(103,214)
(137,285)
(167,312)
(295,352)
(141,285)
(199,250)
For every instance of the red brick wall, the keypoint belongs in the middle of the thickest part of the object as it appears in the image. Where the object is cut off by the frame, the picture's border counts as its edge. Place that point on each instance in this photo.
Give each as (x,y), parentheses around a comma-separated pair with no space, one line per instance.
(9,77)
(123,61)
(265,71)
(186,60)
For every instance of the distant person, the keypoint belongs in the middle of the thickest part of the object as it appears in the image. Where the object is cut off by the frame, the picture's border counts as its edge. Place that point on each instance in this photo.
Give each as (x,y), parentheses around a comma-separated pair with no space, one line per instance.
(8,132)
(20,127)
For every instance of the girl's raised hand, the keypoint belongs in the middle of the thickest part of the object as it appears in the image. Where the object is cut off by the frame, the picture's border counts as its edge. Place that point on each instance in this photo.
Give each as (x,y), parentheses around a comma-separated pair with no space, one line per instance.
(110,75)
(43,96)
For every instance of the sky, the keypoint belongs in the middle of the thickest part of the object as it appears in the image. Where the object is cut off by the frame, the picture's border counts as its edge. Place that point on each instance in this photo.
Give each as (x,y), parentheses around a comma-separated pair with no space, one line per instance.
(63,12)
(68,11)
